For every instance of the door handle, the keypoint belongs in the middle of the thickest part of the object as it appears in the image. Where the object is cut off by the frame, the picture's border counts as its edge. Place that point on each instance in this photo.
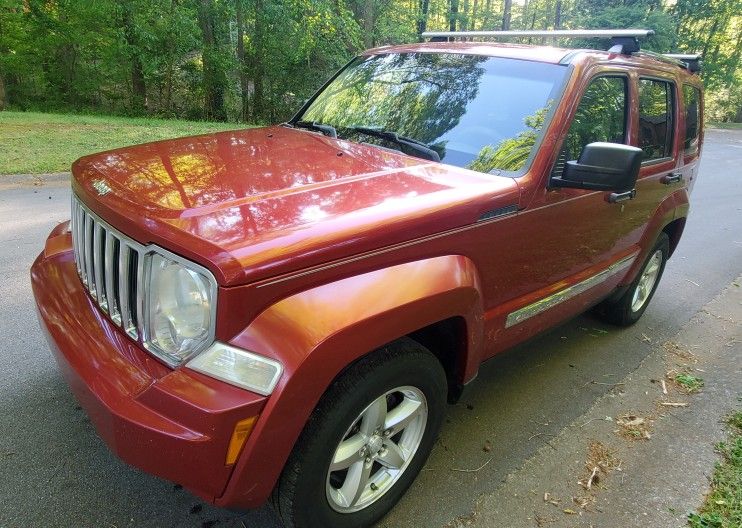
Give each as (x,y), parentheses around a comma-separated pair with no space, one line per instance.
(673,177)
(622,197)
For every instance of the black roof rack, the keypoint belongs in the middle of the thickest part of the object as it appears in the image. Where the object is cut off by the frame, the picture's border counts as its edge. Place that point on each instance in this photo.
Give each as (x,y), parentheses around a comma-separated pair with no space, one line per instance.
(691,61)
(624,41)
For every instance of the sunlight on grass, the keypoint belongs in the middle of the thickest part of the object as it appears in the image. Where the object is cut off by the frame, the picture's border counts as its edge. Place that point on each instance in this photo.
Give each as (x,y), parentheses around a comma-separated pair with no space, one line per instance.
(723,506)
(36,143)
(725,126)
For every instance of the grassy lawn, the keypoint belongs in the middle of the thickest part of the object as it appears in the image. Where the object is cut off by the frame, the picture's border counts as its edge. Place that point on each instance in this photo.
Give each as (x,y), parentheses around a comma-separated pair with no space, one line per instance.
(725,126)
(36,143)
(723,506)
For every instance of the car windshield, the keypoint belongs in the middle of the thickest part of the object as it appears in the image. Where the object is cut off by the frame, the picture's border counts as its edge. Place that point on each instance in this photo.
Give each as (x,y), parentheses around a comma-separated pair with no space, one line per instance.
(478,112)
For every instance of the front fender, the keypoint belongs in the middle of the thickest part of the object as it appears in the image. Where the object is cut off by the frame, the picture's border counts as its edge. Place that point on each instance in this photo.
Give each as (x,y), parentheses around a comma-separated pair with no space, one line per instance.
(319,332)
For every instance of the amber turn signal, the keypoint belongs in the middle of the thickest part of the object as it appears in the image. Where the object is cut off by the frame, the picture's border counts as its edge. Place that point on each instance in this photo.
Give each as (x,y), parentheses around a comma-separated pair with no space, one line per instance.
(242,430)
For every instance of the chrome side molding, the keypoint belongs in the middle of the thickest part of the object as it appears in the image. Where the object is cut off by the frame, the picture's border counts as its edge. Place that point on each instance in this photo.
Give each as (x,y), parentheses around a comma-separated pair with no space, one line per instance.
(540,306)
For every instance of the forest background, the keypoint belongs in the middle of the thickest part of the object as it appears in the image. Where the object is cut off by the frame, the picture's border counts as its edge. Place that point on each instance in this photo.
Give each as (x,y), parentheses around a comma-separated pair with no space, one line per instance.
(255,61)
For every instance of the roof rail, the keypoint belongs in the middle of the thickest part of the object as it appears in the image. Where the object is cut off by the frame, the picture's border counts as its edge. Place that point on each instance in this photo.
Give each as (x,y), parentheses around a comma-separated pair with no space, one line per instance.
(691,61)
(623,41)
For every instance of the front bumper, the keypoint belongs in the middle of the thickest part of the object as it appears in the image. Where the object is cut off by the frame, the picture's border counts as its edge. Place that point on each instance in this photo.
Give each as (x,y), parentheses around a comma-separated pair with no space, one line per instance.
(175,424)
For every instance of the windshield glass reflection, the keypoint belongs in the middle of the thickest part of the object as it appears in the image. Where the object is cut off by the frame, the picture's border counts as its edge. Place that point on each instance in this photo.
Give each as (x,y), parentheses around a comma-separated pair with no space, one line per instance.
(478,112)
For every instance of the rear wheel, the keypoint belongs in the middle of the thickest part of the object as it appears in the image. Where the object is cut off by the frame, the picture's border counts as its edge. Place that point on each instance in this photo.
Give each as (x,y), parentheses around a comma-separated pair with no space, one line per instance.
(366,441)
(628,308)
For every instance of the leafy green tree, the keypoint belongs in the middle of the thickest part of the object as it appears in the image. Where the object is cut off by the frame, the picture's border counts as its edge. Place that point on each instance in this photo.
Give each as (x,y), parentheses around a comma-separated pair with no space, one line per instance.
(256,60)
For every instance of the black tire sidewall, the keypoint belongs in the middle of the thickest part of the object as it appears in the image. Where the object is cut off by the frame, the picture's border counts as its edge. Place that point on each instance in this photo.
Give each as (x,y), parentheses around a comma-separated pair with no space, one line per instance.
(338,409)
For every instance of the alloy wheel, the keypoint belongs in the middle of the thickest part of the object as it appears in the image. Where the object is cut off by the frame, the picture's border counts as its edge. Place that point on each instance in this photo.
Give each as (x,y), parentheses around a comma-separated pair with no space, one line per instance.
(376,449)
(647,281)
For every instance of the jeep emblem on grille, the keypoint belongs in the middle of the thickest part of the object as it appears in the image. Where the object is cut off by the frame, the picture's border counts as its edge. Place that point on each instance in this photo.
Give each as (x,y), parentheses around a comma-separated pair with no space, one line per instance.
(101,186)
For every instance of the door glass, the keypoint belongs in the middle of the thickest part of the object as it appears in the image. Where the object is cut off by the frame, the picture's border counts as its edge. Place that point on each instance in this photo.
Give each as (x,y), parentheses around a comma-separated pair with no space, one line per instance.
(655,118)
(601,116)
(692,103)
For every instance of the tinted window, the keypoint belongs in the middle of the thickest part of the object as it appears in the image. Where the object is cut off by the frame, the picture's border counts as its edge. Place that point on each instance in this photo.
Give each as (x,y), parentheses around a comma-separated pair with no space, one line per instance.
(655,118)
(692,103)
(601,116)
(483,113)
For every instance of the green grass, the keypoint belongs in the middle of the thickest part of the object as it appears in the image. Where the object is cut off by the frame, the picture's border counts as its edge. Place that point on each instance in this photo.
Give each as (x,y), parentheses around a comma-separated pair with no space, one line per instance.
(36,143)
(689,383)
(723,506)
(725,126)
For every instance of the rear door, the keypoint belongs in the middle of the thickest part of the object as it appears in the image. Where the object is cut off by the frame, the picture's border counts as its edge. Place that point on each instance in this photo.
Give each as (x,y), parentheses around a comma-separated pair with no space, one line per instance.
(656,134)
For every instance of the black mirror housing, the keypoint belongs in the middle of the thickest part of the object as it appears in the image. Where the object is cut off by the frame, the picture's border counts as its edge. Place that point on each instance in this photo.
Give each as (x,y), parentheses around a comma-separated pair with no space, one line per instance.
(602,167)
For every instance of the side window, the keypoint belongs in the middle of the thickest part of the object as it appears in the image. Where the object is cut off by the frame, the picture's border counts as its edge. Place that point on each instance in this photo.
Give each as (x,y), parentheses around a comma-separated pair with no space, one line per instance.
(656,119)
(692,103)
(601,116)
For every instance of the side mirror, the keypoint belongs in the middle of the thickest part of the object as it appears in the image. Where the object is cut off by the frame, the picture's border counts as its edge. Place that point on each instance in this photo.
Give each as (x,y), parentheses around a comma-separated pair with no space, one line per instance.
(602,167)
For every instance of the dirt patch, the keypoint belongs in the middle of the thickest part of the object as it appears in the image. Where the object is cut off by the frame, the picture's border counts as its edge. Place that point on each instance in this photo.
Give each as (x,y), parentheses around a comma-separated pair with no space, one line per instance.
(634,427)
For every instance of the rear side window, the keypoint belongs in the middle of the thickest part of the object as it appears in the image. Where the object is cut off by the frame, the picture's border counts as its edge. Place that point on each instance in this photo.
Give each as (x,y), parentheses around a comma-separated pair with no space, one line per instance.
(600,116)
(655,118)
(692,103)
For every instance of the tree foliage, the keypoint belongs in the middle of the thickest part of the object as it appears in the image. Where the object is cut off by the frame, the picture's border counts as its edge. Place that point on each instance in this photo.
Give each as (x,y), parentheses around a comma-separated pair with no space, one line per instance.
(256,60)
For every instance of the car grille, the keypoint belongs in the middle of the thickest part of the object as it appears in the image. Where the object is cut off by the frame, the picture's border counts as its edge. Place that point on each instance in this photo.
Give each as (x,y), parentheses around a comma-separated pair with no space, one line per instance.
(110,266)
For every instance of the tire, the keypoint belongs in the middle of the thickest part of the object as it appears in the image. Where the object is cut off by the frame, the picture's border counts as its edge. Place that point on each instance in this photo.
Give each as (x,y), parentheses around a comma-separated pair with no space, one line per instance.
(403,377)
(627,309)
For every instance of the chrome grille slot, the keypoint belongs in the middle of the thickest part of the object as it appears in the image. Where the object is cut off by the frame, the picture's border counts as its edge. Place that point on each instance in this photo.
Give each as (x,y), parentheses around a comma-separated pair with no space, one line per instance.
(111,267)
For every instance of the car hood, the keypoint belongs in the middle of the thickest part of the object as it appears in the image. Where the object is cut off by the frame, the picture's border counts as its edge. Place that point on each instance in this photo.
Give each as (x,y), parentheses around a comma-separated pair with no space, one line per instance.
(251,204)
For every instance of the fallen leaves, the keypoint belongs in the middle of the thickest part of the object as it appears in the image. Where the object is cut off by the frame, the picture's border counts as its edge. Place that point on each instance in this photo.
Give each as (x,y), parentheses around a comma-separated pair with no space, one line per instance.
(600,461)
(634,427)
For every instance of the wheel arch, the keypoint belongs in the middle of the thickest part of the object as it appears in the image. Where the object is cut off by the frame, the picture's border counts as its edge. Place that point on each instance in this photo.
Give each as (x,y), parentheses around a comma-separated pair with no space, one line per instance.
(674,231)
(317,333)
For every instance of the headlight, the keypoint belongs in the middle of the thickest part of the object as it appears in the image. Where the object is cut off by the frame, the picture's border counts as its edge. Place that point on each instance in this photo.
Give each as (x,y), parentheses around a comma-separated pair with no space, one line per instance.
(238,367)
(180,308)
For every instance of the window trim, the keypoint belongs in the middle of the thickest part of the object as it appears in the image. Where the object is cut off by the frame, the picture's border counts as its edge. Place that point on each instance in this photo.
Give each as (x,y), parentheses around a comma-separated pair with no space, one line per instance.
(622,74)
(699,117)
(673,153)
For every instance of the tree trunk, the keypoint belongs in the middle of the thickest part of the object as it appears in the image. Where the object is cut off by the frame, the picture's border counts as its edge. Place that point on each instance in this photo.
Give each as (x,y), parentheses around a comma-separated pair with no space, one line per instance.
(558,15)
(368,23)
(506,15)
(213,80)
(170,63)
(735,58)
(464,24)
(2,92)
(453,15)
(242,66)
(710,38)
(258,103)
(138,85)
(422,21)
(474,13)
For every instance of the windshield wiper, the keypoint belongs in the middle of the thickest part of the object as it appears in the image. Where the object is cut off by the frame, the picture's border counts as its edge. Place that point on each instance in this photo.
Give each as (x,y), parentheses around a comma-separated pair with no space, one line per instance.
(420,148)
(328,130)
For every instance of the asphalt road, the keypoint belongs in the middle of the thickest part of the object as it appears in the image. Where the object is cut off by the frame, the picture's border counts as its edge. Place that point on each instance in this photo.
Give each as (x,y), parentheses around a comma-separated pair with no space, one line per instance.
(54,471)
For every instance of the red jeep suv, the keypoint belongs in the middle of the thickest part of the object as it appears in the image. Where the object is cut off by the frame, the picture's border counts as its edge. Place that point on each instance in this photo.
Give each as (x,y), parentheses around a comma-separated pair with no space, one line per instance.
(284,312)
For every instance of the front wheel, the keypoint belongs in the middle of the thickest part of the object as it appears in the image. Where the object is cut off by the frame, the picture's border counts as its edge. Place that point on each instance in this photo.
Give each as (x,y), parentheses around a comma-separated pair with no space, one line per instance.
(366,441)
(628,308)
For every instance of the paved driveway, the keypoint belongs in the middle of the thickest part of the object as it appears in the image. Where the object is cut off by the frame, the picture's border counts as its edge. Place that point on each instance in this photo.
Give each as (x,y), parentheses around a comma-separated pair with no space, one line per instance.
(54,471)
